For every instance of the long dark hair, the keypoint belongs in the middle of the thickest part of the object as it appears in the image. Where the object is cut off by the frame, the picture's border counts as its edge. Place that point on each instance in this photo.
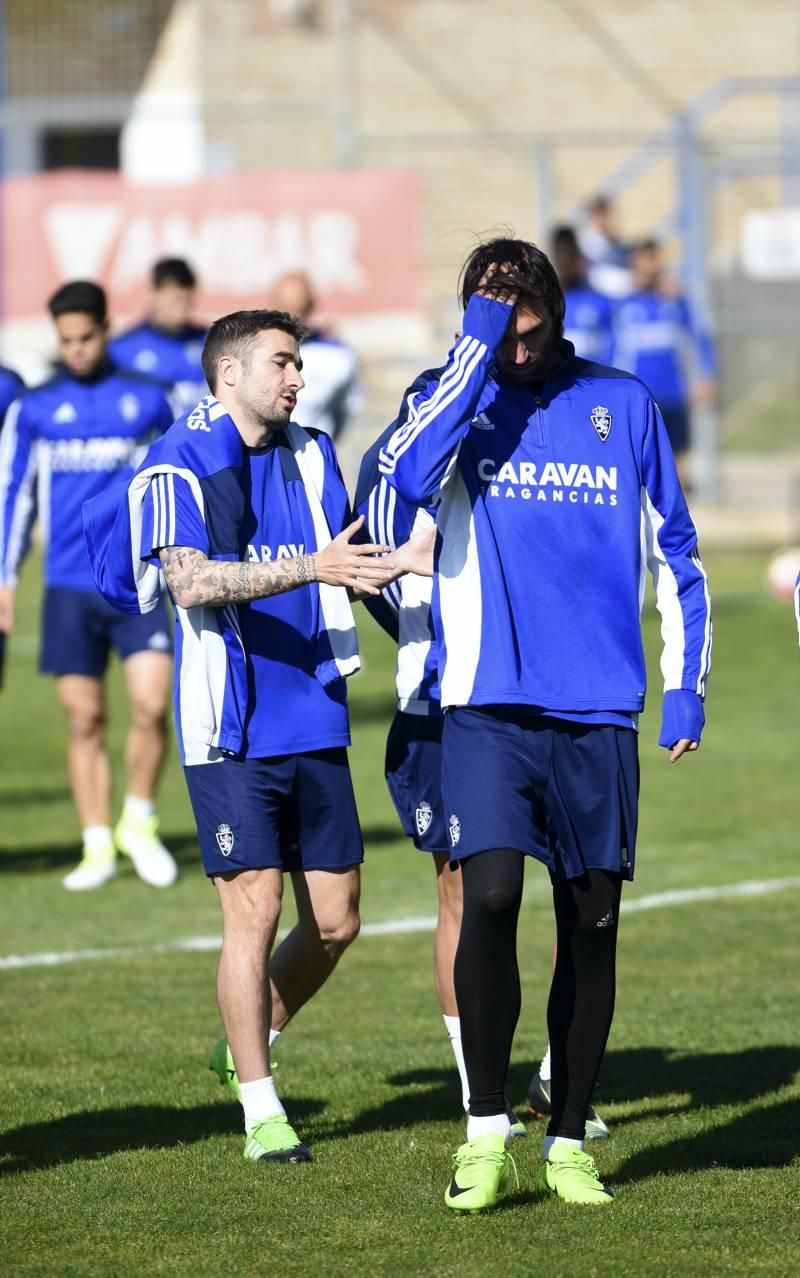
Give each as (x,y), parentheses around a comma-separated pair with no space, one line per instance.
(527,270)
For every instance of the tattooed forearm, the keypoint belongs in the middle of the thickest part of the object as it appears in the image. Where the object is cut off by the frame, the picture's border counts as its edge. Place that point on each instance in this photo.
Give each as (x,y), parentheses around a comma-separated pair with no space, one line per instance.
(193,580)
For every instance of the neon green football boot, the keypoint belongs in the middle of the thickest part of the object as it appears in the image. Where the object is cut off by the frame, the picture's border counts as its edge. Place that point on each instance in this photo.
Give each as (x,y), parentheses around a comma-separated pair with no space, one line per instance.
(275,1141)
(221,1062)
(480,1173)
(137,838)
(569,1173)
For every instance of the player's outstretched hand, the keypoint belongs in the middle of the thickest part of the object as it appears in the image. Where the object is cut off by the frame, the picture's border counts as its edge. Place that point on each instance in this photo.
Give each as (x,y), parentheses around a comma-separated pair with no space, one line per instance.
(365,568)
(684,746)
(416,555)
(7,601)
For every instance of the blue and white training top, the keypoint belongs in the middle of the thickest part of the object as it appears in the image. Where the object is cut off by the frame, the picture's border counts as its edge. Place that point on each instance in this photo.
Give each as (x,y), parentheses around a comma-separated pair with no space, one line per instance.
(170,358)
(11,387)
(332,392)
(660,340)
(551,502)
(403,608)
(588,323)
(253,680)
(62,443)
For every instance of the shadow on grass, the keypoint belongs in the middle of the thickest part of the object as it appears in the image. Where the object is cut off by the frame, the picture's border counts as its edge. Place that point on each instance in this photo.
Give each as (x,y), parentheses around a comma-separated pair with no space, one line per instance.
(87,1136)
(764,1137)
(59,856)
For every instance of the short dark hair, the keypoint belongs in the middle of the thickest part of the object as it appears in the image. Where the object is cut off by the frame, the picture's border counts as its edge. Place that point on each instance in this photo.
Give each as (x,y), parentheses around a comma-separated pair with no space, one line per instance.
(173,270)
(235,334)
(648,245)
(79,297)
(564,237)
(529,271)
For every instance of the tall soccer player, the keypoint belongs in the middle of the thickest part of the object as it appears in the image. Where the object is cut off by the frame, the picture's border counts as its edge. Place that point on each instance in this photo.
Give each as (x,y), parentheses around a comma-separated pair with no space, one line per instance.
(553,482)
(168,344)
(248,516)
(62,444)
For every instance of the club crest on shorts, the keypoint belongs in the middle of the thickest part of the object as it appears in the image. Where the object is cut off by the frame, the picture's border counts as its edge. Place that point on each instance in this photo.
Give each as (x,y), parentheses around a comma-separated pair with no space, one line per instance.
(601,420)
(424,816)
(455,829)
(225,838)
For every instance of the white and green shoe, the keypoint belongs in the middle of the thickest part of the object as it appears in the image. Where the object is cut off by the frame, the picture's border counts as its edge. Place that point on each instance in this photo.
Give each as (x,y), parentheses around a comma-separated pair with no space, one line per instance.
(96,867)
(138,838)
(275,1141)
(221,1062)
(569,1173)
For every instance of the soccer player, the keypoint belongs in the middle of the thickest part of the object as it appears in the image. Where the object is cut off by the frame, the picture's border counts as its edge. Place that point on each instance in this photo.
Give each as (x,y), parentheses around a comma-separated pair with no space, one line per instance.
(659,338)
(11,387)
(167,346)
(62,443)
(588,322)
(553,481)
(332,394)
(248,516)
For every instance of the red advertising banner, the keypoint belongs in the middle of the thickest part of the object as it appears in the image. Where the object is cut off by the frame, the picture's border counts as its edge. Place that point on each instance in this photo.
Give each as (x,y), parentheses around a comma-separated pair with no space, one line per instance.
(355,233)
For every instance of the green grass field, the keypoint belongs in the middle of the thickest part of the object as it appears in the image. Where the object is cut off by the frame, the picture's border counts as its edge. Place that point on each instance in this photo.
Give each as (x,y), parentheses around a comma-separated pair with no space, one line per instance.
(121,1155)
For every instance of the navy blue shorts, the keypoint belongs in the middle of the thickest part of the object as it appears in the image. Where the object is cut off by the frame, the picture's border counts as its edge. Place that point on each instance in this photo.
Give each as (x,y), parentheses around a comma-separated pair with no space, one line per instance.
(414,778)
(79,629)
(676,420)
(294,812)
(562,792)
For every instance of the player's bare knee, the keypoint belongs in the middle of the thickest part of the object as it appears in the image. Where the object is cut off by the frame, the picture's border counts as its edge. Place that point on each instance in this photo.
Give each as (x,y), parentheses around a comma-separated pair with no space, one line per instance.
(339,928)
(148,714)
(85,723)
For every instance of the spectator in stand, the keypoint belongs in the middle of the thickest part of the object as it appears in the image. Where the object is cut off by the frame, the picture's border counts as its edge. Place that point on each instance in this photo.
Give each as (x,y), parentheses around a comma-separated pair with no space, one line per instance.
(588,322)
(607,256)
(167,345)
(332,393)
(660,339)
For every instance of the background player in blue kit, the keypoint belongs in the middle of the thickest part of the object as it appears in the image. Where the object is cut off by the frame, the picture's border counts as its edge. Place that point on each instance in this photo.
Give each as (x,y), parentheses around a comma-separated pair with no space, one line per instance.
(11,387)
(662,340)
(588,322)
(249,517)
(168,345)
(552,479)
(62,443)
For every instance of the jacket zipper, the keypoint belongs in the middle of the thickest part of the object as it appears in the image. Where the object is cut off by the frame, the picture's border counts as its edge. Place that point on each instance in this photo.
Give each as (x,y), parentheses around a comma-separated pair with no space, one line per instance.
(539,420)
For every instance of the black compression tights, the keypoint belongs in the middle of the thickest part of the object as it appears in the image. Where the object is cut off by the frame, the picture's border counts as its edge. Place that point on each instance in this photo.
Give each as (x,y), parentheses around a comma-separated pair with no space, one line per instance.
(582,994)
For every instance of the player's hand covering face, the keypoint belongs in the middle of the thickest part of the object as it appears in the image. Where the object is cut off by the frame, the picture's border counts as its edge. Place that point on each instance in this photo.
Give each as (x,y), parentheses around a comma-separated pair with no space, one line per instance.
(529,348)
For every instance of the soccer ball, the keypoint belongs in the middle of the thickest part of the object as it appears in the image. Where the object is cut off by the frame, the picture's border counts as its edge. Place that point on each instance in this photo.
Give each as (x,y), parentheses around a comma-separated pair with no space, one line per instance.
(782,572)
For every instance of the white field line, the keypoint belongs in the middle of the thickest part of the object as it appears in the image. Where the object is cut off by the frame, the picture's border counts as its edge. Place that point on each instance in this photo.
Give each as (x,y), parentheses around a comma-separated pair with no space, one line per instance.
(395,927)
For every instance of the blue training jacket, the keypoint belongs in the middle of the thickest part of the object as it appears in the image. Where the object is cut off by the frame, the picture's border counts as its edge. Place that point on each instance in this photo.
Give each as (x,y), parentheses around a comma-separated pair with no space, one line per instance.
(551,502)
(216,693)
(170,358)
(61,444)
(660,339)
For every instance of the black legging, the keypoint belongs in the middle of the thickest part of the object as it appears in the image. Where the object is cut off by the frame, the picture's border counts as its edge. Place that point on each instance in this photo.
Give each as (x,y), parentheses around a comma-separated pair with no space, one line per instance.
(581,1002)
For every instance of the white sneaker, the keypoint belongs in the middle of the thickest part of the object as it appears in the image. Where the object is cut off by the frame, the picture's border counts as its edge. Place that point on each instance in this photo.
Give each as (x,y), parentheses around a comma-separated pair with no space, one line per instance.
(152,862)
(95,869)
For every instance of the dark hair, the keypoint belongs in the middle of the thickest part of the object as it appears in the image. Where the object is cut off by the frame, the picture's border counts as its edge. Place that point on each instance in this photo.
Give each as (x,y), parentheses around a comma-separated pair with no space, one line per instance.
(173,270)
(564,237)
(527,270)
(235,334)
(79,297)
(599,203)
(647,245)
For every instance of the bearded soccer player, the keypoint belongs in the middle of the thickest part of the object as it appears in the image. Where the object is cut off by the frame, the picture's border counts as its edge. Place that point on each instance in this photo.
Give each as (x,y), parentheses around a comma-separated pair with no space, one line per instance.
(248,515)
(553,482)
(62,444)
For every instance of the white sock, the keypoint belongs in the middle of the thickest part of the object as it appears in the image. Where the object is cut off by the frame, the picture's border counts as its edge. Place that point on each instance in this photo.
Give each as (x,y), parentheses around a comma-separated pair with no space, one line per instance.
(260,1101)
(495,1123)
(273,1034)
(544,1068)
(565,1140)
(139,809)
(97,838)
(453,1026)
